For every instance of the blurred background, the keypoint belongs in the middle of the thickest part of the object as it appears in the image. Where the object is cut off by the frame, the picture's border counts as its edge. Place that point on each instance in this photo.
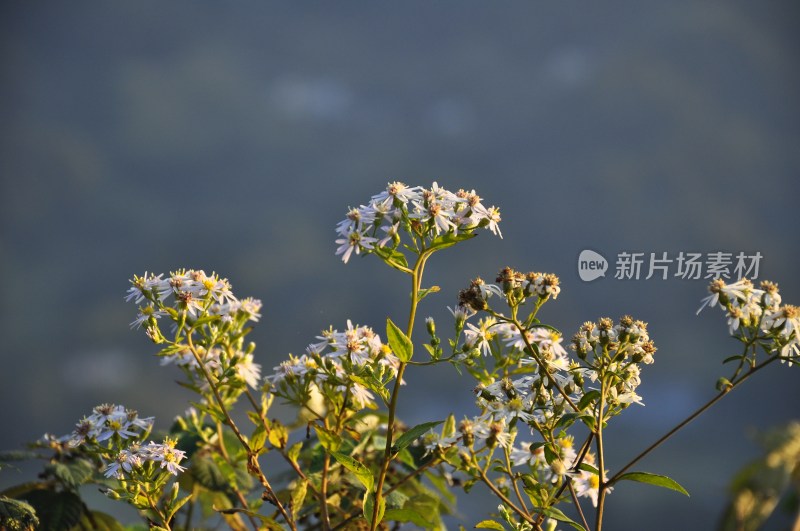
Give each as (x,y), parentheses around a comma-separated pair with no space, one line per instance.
(231,137)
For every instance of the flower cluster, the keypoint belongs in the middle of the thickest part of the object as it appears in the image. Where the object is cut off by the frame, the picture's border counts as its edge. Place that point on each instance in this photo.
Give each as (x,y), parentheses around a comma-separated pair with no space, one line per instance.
(348,363)
(209,324)
(612,354)
(136,457)
(116,433)
(109,422)
(758,311)
(515,287)
(422,213)
(194,293)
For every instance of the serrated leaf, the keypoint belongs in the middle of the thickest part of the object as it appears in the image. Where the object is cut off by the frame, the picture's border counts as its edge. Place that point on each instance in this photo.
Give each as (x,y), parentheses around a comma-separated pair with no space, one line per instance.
(361,472)
(399,342)
(82,470)
(56,510)
(206,473)
(653,479)
(396,500)
(413,434)
(64,474)
(490,524)
(16,514)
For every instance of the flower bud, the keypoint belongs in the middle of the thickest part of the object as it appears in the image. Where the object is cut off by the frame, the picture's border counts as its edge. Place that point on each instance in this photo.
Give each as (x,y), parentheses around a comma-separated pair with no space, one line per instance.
(430,324)
(558,467)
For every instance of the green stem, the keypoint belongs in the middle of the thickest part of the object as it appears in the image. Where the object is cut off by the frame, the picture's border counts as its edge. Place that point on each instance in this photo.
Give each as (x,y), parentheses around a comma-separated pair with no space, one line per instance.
(416,282)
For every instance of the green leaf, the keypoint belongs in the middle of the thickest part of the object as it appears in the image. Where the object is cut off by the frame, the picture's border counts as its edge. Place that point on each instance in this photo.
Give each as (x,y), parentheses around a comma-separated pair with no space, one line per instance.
(299,495)
(17,455)
(399,342)
(18,491)
(421,294)
(97,521)
(490,524)
(267,522)
(71,475)
(391,255)
(361,472)
(556,514)
(206,473)
(413,434)
(449,427)
(56,510)
(258,438)
(409,516)
(16,514)
(369,506)
(588,398)
(294,451)
(441,486)
(278,435)
(446,240)
(653,479)
(329,440)
(567,419)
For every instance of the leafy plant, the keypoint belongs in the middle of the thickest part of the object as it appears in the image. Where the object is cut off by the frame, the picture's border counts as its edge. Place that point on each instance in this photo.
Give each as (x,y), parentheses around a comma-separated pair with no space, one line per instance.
(536,441)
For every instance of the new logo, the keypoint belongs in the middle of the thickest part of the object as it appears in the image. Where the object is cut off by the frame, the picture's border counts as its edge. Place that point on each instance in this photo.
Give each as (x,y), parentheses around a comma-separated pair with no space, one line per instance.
(591,265)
